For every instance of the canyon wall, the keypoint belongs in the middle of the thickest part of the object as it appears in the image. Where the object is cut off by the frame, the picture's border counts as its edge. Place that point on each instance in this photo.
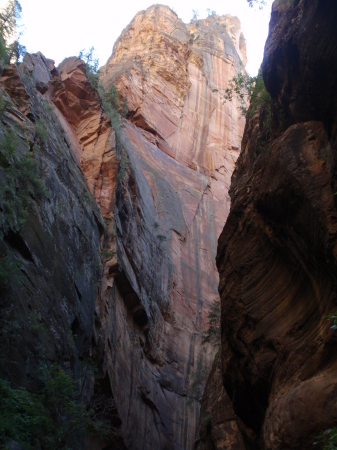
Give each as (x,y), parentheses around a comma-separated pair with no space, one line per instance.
(277,252)
(145,279)
(50,236)
(181,143)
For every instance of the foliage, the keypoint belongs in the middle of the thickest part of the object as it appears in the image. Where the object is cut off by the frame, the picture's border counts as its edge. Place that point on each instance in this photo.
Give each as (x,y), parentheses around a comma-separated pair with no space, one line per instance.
(124,107)
(210,12)
(323,154)
(3,104)
(54,418)
(112,97)
(9,17)
(249,90)
(123,165)
(107,255)
(111,101)
(91,65)
(332,316)
(22,416)
(213,332)
(260,3)
(41,131)
(161,238)
(19,182)
(8,271)
(206,421)
(328,439)
(195,14)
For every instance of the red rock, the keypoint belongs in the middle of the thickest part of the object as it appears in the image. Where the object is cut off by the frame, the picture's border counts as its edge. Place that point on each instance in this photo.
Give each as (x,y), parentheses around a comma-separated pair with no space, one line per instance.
(182,142)
(277,252)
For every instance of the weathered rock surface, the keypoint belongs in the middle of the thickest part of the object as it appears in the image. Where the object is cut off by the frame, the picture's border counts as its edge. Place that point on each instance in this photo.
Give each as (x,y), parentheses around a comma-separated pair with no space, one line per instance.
(47,310)
(277,252)
(180,143)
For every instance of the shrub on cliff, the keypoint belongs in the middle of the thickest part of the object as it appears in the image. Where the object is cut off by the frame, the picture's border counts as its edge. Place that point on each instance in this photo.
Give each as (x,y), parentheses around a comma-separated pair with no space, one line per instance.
(19,181)
(252,95)
(9,17)
(213,333)
(91,65)
(54,418)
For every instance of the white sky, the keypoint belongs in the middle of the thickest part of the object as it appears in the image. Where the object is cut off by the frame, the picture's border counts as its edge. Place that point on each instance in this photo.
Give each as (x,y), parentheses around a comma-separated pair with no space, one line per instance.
(62,28)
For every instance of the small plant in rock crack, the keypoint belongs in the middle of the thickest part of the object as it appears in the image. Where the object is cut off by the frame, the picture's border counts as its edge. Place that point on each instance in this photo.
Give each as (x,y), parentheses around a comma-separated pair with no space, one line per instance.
(161,238)
(213,333)
(86,196)
(333,317)
(41,131)
(323,153)
(123,165)
(9,271)
(206,421)
(107,255)
(328,439)
(19,182)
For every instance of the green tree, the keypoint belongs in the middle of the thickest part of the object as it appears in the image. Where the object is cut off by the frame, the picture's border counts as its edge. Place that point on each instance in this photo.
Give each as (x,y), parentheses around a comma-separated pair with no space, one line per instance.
(260,3)
(195,14)
(9,18)
(112,97)
(91,65)
(54,418)
(252,95)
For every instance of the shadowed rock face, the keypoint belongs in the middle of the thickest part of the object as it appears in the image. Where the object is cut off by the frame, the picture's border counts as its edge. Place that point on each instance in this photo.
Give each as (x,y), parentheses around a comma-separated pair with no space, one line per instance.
(218,426)
(47,300)
(277,252)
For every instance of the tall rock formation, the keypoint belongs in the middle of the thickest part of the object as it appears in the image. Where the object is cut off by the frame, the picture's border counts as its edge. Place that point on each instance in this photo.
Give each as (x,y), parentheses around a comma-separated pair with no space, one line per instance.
(161,178)
(277,253)
(180,143)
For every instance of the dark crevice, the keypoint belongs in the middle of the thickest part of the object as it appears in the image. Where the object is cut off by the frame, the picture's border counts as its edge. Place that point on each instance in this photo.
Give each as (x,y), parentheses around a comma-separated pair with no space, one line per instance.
(17,243)
(138,119)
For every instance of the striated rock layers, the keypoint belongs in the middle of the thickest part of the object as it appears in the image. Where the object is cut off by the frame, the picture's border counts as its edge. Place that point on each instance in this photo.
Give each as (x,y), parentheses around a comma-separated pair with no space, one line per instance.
(160,178)
(178,147)
(277,253)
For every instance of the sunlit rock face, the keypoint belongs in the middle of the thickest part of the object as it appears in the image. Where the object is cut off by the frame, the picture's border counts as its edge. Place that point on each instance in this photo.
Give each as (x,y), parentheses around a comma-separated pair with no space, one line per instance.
(277,252)
(89,130)
(182,143)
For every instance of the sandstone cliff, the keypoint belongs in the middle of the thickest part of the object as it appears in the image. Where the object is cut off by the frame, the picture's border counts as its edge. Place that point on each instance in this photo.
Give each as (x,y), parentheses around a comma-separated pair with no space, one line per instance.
(50,235)
(182,143)
(160,178)
(277,253)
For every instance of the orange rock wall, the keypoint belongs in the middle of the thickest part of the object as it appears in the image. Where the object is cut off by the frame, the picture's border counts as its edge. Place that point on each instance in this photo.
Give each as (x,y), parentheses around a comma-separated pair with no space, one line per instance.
(185,141)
